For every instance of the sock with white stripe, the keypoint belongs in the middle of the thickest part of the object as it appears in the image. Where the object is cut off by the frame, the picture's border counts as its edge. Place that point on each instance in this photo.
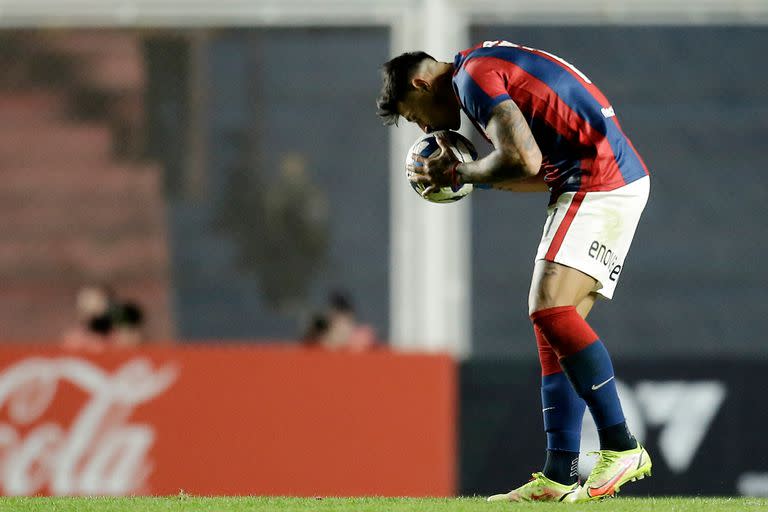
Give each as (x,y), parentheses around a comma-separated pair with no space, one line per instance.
(586,362)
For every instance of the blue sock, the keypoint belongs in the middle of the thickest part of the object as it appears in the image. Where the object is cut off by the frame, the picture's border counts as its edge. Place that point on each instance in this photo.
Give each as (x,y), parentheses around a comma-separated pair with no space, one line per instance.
(591,372)
(563,412)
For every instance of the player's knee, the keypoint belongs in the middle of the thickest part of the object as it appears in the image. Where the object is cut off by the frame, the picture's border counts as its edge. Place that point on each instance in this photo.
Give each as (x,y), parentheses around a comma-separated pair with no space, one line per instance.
(541,298)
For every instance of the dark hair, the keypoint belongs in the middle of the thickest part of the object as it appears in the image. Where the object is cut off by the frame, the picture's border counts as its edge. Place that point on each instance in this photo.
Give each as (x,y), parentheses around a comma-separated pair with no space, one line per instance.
(340,301)
(318,326)
(397,75)
(100,324)
(118,314)
(128,314)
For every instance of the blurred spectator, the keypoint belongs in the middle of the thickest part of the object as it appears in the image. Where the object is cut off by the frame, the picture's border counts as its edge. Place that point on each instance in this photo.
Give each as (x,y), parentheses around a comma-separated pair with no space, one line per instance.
(104,320)
(316,330)
(128,321)
(295,238)
(92,304)
(280,225)
(339,329)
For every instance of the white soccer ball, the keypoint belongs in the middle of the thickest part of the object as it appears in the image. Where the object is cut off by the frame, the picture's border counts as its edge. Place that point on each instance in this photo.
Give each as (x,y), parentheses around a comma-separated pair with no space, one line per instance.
(427,146)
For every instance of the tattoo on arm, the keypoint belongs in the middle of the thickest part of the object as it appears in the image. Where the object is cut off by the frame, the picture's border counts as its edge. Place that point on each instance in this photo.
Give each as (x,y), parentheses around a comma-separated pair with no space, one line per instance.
(516,155)
(510,132)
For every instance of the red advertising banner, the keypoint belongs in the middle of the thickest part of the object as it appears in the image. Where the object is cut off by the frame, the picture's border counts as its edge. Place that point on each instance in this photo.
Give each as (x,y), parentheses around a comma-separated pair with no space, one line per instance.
(226,420)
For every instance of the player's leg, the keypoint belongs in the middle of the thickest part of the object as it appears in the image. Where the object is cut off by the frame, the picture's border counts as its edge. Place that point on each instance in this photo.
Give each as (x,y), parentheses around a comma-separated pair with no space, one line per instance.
(585,306)
(563,412)
(562,408)
(556,290)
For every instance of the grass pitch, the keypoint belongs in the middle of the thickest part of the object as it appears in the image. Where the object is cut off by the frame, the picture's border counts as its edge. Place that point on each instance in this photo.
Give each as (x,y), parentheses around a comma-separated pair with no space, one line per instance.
(185,503)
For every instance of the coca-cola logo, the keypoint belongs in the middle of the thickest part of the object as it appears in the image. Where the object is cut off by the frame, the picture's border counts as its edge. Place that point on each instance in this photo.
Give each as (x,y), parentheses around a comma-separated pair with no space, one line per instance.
(99,451)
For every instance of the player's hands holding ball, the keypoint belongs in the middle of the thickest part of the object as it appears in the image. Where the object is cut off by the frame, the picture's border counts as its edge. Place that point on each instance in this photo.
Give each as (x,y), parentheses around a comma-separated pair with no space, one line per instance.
(433,172)
(431,166)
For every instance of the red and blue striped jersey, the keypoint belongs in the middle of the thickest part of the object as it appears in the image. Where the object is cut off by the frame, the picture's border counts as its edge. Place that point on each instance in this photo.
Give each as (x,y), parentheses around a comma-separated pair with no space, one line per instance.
(581,141)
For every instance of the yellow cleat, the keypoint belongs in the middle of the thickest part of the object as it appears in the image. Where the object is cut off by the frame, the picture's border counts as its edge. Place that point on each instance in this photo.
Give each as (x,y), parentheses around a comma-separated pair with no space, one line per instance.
(613,470)
(539,488)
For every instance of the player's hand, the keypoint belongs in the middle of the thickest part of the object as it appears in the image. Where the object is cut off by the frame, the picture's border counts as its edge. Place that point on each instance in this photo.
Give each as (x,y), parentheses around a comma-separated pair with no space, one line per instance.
(433,173)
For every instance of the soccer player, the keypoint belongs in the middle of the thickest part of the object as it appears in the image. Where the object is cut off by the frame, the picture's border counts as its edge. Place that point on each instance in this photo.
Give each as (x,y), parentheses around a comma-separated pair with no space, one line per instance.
(552,130)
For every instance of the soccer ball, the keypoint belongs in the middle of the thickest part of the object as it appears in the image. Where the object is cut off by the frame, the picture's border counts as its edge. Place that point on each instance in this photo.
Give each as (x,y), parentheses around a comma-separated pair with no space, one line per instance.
(427,146)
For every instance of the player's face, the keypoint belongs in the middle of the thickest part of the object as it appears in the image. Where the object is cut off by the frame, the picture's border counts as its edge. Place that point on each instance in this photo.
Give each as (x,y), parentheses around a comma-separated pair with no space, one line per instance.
(432,110)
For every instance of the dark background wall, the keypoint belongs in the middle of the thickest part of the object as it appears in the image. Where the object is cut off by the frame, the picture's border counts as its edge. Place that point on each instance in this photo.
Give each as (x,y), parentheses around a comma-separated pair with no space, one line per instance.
(695,104)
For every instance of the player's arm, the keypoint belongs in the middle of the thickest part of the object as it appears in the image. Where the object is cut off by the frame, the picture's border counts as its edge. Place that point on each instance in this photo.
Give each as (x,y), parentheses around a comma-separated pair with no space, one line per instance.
(514,164)
(516,158)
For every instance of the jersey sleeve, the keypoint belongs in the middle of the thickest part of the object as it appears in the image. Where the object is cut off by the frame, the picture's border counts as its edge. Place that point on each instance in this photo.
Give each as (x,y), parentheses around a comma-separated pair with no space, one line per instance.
(480,87)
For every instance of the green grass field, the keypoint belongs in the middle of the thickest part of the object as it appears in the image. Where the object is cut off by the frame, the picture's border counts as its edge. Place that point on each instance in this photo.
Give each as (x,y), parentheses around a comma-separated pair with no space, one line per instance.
(222,504)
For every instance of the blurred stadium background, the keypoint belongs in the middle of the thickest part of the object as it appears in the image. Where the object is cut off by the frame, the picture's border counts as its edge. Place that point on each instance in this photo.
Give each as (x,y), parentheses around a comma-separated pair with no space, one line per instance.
(219,166)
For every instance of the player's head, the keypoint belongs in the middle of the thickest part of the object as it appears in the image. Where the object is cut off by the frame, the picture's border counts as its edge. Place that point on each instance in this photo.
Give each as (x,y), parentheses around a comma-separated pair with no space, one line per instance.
(418,88)
(94,300)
